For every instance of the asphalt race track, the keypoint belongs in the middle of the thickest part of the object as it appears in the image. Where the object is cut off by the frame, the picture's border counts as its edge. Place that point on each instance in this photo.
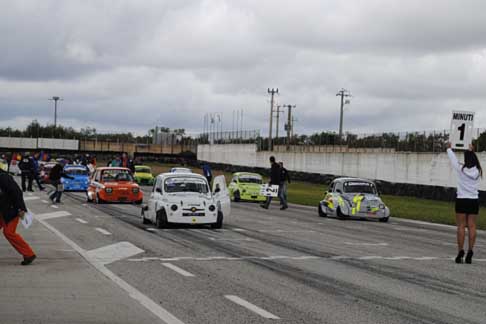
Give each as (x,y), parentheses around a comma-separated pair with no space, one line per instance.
(276,266)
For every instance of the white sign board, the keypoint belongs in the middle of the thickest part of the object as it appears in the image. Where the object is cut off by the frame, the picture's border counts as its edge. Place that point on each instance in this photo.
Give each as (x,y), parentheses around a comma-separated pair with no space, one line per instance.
(269,190)
(462,125)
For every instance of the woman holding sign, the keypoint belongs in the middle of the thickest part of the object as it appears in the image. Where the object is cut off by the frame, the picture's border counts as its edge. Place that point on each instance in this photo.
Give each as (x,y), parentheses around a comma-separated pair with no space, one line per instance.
(469,176)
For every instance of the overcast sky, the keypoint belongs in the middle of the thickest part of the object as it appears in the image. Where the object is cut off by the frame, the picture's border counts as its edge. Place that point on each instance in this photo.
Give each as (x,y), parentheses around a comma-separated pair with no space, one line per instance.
(128,65)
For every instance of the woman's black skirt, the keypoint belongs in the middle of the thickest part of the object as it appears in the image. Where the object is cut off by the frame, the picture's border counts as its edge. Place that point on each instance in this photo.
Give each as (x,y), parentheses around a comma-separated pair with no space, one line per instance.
(467,206)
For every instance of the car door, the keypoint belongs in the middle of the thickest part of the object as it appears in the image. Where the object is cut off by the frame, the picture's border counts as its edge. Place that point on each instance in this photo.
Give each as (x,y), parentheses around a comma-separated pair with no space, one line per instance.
(222,196)
(155,196)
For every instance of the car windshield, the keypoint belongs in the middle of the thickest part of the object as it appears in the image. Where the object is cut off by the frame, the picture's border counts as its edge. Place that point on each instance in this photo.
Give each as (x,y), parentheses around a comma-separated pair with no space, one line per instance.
(143,170)
(181,170)
(359,187)
(77,171)
(250,179)
(172,185)
(116,175)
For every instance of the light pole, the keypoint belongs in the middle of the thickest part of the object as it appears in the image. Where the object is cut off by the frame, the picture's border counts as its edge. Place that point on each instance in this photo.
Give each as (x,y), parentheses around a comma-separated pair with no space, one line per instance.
(342,93)
(55,99)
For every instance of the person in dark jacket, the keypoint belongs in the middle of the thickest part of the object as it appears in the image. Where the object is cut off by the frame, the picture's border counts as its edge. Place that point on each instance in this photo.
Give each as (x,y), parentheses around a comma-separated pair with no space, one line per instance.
(208,174)
(12,209)
(275,175)
(282,189)
(57,172)
(27,169)
(36,175)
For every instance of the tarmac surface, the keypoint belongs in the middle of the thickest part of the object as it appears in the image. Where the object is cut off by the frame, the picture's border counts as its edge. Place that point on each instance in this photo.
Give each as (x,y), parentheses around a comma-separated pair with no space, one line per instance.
(99,264)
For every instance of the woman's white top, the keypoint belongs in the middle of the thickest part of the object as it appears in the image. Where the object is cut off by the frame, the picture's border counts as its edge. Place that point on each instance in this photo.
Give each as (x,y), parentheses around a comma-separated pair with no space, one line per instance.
(468,179)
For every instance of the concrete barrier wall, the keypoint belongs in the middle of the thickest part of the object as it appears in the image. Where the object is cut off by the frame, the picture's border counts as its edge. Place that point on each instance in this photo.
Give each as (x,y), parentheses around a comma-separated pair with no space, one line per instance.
(432,169)
(58,144)
(18,142)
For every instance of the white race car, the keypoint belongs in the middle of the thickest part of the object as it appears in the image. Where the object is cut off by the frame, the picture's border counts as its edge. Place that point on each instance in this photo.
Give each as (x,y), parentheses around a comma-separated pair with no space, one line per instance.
(353,197)
(180,170)
(185,198)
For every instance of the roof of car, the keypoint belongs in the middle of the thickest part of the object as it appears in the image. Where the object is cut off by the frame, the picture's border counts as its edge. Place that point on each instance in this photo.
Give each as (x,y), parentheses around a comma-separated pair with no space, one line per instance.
(142,166)
(345,179)
(112,168)
(180,174)
(246,173)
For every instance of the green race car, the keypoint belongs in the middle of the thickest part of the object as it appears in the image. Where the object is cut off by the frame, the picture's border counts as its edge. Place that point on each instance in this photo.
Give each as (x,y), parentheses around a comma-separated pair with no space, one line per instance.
(246,186)
(143,175)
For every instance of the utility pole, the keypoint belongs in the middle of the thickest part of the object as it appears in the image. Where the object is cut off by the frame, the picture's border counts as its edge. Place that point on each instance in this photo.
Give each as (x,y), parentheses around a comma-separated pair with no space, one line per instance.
(55,99)
(272,92)
(343,93)
(278,121)
(288,127)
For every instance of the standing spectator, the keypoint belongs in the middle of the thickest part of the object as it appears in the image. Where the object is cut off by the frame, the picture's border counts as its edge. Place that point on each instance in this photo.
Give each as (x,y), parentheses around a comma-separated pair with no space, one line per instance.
(26,166)
(35,161)
(57,172)
(207,172)
(275,175)
(12,209)
(469,176)
(282,189)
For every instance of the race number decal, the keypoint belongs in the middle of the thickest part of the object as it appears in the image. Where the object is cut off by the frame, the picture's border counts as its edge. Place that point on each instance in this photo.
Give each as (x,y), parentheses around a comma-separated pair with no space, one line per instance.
(269,190)
(461,129)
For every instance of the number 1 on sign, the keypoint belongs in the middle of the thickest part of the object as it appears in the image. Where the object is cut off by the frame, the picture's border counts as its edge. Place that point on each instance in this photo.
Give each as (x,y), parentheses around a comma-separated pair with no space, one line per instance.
(462,129)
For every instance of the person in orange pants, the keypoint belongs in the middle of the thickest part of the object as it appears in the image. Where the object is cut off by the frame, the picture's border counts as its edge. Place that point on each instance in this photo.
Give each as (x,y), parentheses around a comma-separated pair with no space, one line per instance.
(12,208)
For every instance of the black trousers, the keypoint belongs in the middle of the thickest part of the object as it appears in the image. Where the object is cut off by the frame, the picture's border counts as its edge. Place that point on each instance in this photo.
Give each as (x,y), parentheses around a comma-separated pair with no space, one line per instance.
(29,177)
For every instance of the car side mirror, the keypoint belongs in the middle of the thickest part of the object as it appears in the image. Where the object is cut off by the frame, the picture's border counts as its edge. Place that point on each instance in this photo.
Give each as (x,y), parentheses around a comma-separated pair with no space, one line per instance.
(159,190)
(339,191)
(217,190)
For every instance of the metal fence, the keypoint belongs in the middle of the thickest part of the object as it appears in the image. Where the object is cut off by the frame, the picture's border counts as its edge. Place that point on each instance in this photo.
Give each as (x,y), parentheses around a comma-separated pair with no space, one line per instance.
(424,141)
(229,137)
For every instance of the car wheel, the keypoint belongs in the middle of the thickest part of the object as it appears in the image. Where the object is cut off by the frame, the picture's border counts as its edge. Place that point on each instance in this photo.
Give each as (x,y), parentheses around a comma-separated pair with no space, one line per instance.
(144,220)
(384,219)
(139,202)
(161,219)
(340,214)
(321,212)
(99,200)
(219,222)
(236,196)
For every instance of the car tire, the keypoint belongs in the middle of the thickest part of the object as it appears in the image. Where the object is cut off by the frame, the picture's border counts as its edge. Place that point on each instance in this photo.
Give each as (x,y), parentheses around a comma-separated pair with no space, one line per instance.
(340,214)
(139,202)
(99,200)
(384,219)
(321,212)
(219,222)
(144,220)
(161,219)
(236,196)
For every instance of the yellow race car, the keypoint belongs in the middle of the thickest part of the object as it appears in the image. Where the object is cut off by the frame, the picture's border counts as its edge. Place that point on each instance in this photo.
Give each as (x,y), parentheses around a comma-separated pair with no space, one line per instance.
(143,175)
(246,186)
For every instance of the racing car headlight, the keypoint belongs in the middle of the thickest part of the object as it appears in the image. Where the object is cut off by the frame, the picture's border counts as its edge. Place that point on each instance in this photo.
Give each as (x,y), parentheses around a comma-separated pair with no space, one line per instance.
(173,207)
(135,190)
(109,190)
(212,208)
(382,206)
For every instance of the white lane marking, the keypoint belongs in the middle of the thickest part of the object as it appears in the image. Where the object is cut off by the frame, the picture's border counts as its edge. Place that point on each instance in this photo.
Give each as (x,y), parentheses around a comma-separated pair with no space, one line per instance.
(151,229)
(370,257)
(366,244)
(54,206)
(398,258)
(114,252)
(45,201)
(102,231)
(57,214)
(285,231)
(239,230)
(31,198)
(145,301)
(255,309)
(82,221)
(180,271)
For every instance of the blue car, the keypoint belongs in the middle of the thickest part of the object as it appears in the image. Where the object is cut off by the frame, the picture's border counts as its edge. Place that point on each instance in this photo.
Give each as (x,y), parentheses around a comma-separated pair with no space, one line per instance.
(80,174)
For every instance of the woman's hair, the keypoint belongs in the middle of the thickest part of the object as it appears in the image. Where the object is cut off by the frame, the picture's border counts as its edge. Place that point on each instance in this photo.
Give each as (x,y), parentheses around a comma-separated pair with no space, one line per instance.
(471,160)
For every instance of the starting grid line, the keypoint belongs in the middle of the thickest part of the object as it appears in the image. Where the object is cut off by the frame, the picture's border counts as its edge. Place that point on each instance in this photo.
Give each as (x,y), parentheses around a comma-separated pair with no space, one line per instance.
(303,257)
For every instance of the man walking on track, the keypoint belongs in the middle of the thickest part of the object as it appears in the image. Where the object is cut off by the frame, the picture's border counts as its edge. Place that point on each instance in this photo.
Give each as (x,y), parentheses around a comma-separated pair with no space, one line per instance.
(12,209)
(282,190)
(275,175)
(26,166)
(469,177)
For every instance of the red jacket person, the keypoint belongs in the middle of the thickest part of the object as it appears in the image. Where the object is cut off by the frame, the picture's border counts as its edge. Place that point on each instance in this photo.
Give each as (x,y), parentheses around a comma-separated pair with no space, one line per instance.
(12,208)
